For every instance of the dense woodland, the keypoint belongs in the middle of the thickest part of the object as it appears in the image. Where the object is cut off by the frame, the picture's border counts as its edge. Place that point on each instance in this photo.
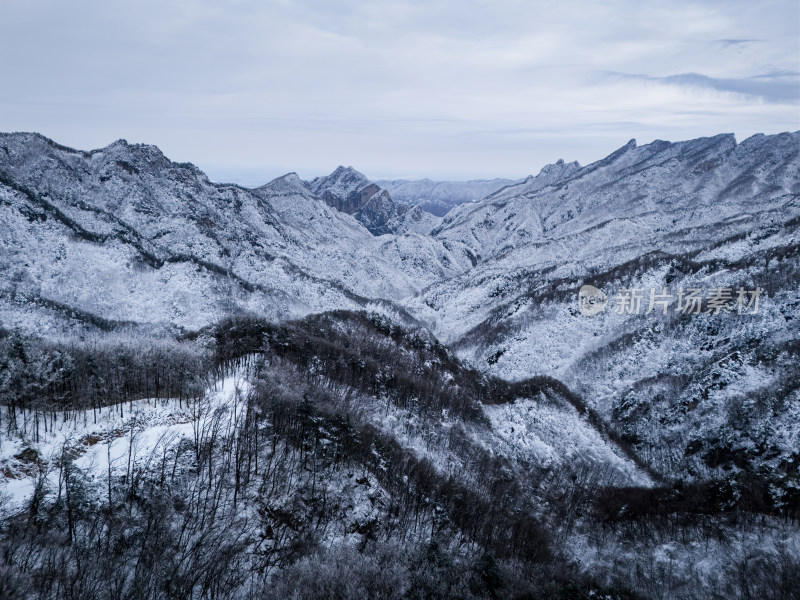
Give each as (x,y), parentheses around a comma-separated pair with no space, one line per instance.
(295,491)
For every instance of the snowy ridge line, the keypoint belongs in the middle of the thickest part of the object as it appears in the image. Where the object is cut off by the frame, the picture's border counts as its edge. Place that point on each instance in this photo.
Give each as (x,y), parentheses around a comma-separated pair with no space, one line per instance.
(543,386)
(98,238)
(540,433)
(151,259)
(539,390)
(603,428)
(70,311)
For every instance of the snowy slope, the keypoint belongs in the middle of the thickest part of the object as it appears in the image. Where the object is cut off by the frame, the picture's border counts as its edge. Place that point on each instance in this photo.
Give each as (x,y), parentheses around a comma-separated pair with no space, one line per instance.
(125,234)
(414,220)
(706,214)
(141,430)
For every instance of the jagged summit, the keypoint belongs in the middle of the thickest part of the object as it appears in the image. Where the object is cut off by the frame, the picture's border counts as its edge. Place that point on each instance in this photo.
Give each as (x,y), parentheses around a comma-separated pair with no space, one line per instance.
(560,166)
(550,174)
(120,142)
(344,178)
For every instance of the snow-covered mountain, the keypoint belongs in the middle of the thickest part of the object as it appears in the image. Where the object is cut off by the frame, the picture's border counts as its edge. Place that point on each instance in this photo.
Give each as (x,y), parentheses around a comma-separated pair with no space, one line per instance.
(124,234)
(412,378)
(708,214)
(438,197)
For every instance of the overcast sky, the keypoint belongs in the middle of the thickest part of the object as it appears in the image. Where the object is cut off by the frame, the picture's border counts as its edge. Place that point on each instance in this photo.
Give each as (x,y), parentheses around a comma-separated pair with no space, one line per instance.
(249,90)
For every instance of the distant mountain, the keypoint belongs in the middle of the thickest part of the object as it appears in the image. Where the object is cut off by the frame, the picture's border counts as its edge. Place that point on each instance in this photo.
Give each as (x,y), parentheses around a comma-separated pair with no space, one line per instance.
(350,192)
(438,197)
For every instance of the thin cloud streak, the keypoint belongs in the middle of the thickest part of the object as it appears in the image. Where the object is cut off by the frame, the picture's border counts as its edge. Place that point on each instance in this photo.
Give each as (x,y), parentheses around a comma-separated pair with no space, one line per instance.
(774,88)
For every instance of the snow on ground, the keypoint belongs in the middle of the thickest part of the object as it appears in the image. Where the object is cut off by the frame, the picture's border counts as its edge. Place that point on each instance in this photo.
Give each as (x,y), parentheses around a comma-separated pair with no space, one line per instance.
(550,435)
(140,430)
(712,562)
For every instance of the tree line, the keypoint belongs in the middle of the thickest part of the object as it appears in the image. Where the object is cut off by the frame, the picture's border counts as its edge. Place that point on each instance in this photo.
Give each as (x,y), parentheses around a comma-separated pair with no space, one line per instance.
(39,378)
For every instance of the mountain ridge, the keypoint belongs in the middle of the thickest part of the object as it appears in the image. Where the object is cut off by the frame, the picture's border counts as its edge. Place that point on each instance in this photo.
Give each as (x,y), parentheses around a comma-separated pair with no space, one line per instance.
(495,278)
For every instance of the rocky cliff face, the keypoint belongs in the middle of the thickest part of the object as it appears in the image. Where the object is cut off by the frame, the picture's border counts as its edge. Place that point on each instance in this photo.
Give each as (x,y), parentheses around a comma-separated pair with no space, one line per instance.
(345,189)
(379,213)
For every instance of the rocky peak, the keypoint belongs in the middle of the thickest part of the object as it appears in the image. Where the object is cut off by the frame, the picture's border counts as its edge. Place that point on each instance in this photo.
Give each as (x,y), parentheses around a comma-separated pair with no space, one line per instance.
(379,210)
(345,189)
(342,179)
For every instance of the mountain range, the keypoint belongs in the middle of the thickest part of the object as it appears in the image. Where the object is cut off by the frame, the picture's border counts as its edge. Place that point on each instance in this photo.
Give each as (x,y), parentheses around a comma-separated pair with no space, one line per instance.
(474,285)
